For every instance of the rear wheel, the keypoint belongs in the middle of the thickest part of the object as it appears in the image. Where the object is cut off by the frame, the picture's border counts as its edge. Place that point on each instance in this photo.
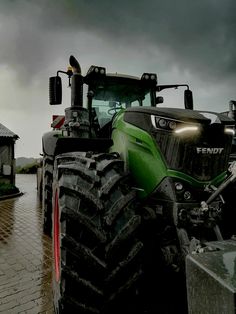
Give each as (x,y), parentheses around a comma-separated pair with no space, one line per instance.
(47,194)
(97,256)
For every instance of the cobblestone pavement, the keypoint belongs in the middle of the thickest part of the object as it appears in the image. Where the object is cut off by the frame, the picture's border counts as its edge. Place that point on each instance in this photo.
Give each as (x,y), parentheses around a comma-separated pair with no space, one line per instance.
(25,253)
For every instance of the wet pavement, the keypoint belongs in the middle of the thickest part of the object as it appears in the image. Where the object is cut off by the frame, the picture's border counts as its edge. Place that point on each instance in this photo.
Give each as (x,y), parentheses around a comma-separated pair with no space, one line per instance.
(25,253)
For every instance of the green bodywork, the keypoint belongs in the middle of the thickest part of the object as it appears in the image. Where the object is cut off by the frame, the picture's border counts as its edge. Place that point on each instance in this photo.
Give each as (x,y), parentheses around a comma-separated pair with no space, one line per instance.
(144,160)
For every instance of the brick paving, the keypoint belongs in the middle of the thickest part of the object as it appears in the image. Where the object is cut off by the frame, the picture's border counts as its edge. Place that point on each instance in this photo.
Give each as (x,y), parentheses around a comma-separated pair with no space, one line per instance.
(25,254)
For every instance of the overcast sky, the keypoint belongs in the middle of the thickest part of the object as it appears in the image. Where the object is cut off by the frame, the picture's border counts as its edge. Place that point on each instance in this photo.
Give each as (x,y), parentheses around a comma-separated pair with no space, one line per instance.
(182,41)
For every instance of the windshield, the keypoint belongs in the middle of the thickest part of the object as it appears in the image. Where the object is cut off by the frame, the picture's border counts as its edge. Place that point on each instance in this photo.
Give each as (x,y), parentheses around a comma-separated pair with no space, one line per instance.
(110,99)
(105,109)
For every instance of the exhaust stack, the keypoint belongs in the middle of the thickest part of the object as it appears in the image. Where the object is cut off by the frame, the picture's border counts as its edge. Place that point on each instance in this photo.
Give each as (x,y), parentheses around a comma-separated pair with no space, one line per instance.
(76,83)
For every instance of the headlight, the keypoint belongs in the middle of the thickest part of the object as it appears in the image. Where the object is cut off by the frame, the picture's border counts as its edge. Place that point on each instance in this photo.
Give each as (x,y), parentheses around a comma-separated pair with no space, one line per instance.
(230,130)
(162,123)
(149,76)
(178,186)
(95,70)
(186,129)
(176,126)
(172,125)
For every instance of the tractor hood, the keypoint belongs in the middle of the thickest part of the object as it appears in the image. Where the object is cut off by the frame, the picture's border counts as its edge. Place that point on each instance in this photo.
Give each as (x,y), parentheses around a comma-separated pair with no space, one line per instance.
(184,115)
(197,143)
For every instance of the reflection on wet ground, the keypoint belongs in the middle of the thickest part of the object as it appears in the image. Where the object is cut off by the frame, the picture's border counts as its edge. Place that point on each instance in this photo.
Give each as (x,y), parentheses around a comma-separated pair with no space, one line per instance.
(25,253)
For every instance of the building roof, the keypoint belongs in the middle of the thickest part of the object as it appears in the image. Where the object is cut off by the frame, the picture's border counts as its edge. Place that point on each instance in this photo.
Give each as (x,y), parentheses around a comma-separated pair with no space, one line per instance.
(5,132)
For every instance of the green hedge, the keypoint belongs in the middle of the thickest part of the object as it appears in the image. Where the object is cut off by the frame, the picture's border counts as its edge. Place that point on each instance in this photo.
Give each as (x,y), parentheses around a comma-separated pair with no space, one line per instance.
(8,189)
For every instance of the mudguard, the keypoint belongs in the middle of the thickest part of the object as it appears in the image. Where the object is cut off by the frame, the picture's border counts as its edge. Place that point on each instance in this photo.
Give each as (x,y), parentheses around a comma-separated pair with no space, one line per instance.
(49,142)
(54,144)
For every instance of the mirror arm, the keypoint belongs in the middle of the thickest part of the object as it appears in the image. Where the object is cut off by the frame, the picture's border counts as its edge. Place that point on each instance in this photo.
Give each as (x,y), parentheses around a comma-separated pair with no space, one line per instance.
(161,87)
(69,73)
(61,72)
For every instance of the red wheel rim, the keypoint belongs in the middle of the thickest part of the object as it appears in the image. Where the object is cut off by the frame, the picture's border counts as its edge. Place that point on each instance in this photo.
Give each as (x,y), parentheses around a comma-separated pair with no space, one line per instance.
(56,235)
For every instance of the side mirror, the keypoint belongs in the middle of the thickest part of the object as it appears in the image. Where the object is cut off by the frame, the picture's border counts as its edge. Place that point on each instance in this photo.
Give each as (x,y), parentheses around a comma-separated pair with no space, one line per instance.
(159,100)
(232,109)
(188,99)
(55,90)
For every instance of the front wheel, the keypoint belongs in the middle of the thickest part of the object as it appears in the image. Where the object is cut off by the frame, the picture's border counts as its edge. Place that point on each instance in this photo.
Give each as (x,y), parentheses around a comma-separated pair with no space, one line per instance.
(97,256)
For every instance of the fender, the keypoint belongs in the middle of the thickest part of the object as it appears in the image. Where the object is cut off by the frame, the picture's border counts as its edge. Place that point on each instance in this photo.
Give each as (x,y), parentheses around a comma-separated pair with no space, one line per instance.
(49,142)
(54,144)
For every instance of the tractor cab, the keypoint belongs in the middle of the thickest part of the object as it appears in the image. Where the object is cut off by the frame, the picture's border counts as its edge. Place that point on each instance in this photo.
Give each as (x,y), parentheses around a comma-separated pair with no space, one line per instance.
(112,93)
(107,94)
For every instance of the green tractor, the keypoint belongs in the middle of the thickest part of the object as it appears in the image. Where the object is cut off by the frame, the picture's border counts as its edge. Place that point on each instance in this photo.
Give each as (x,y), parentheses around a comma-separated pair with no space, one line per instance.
(130,189)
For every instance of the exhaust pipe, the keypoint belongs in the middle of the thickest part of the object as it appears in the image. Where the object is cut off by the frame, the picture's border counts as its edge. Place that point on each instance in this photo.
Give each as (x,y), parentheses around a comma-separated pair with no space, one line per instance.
(76,83)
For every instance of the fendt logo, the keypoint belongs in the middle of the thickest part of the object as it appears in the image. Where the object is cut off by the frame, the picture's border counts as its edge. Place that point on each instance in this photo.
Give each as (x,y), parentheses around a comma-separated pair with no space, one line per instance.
(210,150)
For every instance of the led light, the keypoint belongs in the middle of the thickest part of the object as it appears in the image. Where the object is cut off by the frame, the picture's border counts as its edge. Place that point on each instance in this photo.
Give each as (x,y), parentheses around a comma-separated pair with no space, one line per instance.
(178,186)
(149,76)
(172,125)
(96,70)
(162,123)
(186,129)
(230,131)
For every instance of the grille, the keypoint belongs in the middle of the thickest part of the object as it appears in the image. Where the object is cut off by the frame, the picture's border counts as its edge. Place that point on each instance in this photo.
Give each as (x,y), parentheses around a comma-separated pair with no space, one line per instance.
(181,153)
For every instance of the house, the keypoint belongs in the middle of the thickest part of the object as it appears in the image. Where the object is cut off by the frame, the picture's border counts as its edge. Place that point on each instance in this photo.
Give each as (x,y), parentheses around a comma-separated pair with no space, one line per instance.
(7,155)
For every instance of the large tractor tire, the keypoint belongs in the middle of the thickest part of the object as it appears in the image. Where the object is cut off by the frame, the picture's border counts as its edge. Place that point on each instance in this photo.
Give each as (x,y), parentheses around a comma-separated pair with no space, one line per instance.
(97,254)
(47,194)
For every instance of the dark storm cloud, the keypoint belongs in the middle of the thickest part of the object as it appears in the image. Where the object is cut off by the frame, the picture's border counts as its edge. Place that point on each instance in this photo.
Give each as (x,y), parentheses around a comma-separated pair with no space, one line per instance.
(183,41)
(195,36)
